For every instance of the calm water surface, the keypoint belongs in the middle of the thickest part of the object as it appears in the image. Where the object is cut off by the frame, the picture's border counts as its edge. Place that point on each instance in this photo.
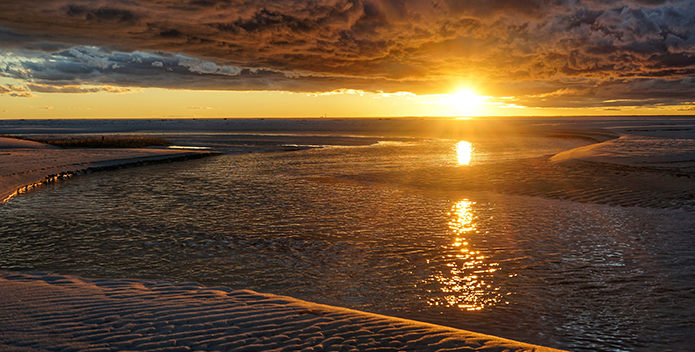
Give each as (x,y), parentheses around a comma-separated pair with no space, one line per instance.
(557,273)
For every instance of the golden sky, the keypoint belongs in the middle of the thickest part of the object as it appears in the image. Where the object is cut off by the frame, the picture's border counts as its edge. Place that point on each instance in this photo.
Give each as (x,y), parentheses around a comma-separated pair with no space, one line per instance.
(345,58)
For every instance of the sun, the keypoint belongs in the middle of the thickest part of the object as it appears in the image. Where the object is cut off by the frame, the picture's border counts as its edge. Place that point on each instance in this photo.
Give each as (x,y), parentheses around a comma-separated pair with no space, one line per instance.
(467,101)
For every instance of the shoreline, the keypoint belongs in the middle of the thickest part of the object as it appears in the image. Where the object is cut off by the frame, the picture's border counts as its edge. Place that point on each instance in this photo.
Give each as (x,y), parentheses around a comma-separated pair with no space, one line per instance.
(41,311)
(46,311)
(25,166)
(139,293)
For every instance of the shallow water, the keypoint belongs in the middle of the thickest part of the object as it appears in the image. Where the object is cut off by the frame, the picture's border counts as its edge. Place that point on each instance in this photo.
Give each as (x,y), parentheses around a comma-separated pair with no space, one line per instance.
(310,224)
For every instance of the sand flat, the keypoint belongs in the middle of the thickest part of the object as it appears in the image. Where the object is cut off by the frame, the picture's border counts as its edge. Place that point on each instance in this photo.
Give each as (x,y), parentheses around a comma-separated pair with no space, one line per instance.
(25,164)
(631,150)
(49,312)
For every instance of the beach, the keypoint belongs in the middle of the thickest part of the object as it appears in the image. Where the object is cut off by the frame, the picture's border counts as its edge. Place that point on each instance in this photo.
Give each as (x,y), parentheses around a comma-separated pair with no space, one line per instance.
(347,175)
(617,168)
(48,311)
(26,164)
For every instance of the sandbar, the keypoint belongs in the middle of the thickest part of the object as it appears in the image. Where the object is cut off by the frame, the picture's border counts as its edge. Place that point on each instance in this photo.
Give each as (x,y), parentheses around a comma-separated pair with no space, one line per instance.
(25,164)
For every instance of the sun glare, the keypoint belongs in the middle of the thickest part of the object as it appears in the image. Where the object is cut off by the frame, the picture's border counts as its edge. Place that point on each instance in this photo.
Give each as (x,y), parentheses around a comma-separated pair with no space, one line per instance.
(463,151)
(468,282)
(467,101)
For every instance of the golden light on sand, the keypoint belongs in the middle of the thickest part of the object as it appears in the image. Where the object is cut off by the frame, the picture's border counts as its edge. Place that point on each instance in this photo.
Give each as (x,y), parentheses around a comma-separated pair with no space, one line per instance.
(464,151)
(467,284)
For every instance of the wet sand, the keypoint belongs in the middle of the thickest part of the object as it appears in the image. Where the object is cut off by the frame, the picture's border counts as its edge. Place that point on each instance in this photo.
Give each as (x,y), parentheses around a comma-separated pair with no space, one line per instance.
(42,311)
(25,164)
(53,312)
(571,179)
(46,312)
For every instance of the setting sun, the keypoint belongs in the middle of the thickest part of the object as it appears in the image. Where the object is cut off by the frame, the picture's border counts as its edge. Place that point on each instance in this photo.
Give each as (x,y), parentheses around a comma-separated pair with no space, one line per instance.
(467,101)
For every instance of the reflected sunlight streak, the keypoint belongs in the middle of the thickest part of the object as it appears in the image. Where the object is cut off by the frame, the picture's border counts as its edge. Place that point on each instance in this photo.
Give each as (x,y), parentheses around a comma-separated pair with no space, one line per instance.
(464,151)
(468,284)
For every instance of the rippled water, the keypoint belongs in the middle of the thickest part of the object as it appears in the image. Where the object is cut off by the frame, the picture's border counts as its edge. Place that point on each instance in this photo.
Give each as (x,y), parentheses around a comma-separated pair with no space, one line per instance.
(307,224)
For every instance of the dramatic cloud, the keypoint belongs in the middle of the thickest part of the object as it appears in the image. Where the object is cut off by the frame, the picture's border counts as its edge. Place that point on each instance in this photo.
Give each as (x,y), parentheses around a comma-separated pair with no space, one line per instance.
(201,67)
(562,52)
(93,66)
(15,91)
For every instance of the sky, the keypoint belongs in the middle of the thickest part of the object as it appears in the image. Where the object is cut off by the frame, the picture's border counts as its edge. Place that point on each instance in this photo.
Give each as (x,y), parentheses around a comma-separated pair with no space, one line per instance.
(345,58)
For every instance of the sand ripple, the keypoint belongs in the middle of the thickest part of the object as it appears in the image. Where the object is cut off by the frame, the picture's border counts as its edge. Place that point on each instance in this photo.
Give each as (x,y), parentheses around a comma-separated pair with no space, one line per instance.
(53,312)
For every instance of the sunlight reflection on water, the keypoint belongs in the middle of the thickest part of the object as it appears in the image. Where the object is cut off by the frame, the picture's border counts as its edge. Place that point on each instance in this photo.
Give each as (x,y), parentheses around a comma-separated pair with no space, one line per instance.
(464,151)
(468,284)
(351,227)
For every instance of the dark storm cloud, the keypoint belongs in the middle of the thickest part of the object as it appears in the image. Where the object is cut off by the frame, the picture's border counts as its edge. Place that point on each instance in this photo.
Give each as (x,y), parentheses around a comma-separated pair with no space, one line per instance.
(613,93)
(93,66)
(423,46)
(102,14)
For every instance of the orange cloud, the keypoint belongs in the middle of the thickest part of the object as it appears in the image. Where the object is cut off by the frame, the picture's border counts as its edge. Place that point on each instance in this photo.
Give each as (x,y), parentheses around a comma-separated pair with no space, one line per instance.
(15,91)
(598,50)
